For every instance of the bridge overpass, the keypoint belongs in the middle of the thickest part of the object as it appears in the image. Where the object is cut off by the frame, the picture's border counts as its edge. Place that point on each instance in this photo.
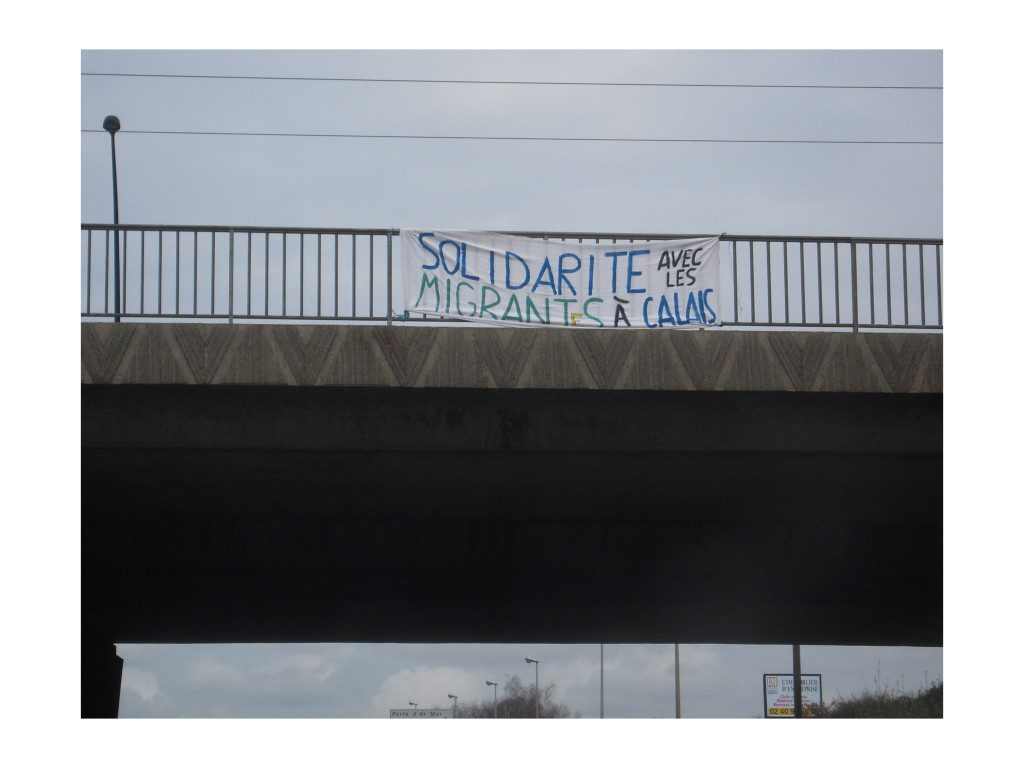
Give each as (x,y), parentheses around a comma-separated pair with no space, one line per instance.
(399,483)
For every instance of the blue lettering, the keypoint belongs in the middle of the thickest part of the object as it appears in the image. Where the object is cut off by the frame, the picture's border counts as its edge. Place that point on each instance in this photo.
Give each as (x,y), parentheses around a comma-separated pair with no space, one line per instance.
(647,320)
(465,274)
(707,305)
(562,271)
(428,249)
(614,256)
(458,252)
(665,313)
(550,281)
(631,273)
(508,271)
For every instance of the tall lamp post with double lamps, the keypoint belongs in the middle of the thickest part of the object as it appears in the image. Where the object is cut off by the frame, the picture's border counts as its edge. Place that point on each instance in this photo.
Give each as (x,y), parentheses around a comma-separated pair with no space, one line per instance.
(495,698)
(455,706)
(536,712)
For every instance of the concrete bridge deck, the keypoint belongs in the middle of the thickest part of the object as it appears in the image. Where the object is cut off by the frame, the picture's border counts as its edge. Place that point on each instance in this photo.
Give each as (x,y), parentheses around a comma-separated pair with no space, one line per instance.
(363,483)
(488,358)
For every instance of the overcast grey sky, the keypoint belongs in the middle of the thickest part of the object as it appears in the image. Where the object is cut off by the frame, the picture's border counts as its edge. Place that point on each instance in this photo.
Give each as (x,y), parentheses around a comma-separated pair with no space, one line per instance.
(740,189)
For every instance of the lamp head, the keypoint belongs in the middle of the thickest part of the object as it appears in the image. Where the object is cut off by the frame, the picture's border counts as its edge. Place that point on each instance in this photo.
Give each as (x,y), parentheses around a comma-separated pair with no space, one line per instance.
(111,124)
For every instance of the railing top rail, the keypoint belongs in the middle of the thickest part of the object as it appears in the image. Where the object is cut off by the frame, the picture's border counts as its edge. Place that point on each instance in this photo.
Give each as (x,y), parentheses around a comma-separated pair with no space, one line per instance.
(224,228)
(567,235)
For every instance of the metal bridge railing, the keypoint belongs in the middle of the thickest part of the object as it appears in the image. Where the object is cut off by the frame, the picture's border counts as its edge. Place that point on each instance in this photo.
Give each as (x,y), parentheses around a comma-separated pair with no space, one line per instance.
(282,274)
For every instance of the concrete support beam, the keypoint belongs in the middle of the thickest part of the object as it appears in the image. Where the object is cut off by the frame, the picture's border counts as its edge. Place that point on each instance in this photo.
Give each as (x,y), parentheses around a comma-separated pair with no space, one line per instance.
(101,678)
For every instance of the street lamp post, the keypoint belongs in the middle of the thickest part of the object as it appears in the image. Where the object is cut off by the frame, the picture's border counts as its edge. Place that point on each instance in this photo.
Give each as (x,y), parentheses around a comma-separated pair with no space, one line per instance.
(537,685)
(798,686)
(495,698)
(455,706)
(602,681)
(679,707)
(112,125)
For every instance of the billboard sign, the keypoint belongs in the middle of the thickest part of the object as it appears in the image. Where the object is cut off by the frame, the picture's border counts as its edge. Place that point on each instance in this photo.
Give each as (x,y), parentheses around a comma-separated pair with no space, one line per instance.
(778,693)
(424,714)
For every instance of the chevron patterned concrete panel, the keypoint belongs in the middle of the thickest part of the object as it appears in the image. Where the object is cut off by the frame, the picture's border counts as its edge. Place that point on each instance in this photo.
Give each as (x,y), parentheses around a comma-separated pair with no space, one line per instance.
(482,357)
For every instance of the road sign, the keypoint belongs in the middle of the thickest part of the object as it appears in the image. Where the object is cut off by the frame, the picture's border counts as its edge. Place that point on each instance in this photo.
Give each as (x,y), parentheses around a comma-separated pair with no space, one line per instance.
(778,693)
(422,713)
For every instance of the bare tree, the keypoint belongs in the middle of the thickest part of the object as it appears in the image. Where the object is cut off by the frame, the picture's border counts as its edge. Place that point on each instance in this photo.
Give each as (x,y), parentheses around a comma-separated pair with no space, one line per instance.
(517,701)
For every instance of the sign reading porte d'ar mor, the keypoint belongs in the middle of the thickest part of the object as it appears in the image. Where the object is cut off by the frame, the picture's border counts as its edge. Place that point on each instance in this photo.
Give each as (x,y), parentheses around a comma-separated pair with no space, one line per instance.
(503,279)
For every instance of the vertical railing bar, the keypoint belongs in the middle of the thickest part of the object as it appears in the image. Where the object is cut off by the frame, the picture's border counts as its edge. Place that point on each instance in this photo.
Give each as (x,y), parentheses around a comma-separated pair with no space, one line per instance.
(821,304)
(142,272)
(390,296)
(888,286)
(319,274)
(160,272)
(302,274)
(231,276)
(938,280)
(785,275)
(120,300)
(853,276)
(835,255)
(920,265)
(177,272)
(735,286)
(371,275)
(195,272)
(753,290)
(248,274)
(88,272)
(871,276)
(125,262)
(106,275)
(284,274)
(354,300)
(337,277)
(213,273)
(803,286)
(906,301)
(266,274)
(768,267)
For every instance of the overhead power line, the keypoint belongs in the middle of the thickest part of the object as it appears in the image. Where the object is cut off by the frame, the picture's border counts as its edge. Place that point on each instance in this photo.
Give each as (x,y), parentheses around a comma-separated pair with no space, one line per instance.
(511,138)
(468,81)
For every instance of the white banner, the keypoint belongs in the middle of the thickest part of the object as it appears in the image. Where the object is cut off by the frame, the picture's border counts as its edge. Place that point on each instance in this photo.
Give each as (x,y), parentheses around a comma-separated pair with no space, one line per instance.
(492,278)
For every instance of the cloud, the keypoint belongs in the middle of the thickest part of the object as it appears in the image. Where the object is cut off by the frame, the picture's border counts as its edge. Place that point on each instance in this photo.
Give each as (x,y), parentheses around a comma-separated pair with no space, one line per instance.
(427,686)
(140,682)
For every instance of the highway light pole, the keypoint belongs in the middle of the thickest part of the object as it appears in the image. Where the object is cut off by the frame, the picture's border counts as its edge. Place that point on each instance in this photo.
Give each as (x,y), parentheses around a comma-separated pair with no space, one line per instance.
(602,681)
(537,685)
(112,125)
(455,706)
(679,704)
(798,686)
(495,698)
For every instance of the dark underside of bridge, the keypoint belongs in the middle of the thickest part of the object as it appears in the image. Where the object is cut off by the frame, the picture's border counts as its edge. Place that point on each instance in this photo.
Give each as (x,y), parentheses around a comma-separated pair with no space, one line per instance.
(293,514)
